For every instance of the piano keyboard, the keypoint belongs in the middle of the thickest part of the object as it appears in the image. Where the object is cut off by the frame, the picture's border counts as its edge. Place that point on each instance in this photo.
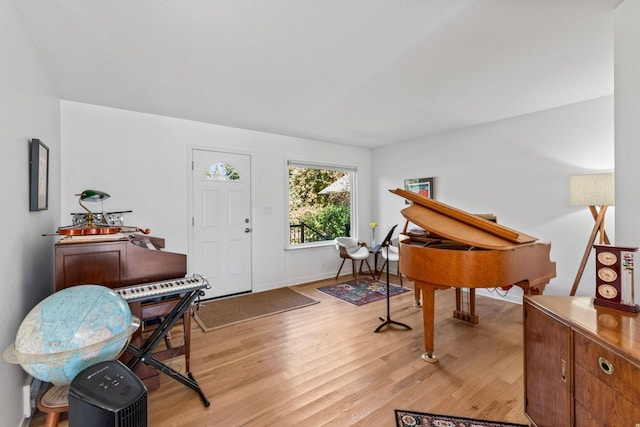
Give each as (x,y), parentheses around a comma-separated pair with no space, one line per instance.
(162,289)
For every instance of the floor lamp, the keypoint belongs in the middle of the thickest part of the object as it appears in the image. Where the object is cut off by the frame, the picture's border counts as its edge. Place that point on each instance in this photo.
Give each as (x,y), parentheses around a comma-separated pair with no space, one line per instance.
(595,191)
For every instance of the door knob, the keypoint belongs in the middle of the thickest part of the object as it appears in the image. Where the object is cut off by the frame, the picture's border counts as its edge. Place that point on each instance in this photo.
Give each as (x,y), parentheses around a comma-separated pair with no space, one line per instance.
(247,230)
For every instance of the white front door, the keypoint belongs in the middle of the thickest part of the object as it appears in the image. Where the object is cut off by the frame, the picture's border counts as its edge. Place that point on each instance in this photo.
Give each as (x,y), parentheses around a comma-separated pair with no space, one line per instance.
(222,221)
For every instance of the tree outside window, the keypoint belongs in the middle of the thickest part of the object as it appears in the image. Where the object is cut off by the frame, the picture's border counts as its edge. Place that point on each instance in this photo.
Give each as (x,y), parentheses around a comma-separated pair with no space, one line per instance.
(320,203)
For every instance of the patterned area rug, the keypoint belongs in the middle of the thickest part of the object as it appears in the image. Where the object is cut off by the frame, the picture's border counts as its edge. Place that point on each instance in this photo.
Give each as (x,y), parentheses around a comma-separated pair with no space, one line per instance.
(362,292)
(229,311)
(411,419)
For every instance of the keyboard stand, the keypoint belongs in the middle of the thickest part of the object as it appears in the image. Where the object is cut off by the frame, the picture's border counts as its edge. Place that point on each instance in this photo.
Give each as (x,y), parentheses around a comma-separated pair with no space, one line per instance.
(144,354)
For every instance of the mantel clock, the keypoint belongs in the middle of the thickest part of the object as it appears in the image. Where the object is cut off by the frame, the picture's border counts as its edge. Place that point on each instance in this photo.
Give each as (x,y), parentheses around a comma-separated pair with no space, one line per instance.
(614,277)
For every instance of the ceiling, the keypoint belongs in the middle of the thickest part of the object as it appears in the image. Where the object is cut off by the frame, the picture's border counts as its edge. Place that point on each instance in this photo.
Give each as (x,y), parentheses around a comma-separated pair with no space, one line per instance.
(357,72)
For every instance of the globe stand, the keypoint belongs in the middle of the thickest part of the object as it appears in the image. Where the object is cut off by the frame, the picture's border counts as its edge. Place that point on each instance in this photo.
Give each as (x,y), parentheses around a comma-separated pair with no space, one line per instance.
(54,402)
(387,320)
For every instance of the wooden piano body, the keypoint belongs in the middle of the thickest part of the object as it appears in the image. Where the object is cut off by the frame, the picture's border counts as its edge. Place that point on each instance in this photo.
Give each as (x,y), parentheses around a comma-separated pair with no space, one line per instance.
(462,250)
(120,263)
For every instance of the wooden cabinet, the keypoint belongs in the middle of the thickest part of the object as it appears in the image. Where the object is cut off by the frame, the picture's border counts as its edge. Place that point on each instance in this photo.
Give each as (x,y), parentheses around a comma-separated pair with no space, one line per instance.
(547,357)
(116,263)
(582,363)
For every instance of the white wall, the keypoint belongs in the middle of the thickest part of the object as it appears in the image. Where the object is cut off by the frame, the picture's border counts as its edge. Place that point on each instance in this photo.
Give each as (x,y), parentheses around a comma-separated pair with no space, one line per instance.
(627,123)
(28,109)
(141,160)
(517,169)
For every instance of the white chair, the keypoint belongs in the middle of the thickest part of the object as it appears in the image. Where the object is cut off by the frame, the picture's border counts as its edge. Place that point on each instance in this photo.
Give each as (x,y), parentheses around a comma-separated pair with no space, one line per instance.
(392,256)
(354,250)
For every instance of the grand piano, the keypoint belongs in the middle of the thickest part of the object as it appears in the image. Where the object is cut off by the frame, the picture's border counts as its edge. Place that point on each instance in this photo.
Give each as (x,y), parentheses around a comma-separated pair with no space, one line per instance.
(462,250)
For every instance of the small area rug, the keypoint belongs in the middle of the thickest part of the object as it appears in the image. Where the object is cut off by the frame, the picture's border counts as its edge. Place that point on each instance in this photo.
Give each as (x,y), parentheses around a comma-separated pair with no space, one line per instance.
(362,292)
(411,419)
(229,311)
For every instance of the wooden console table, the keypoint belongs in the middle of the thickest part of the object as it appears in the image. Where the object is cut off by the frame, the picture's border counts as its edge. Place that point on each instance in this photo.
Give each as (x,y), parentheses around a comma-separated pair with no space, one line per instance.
(581,363)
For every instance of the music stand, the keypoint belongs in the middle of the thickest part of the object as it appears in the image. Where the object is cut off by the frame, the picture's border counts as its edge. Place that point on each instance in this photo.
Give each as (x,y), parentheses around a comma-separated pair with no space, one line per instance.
(387,321)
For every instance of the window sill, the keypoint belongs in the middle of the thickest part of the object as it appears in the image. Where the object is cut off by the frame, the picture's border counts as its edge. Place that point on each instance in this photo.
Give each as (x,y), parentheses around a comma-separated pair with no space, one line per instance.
(310,245)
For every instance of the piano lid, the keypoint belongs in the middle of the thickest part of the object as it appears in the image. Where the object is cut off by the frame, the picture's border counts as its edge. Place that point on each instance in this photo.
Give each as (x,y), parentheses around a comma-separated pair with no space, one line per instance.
(460,226)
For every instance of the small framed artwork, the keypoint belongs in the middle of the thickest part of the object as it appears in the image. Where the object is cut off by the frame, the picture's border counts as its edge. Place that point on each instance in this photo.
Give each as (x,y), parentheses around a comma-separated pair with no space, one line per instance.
(422,186)
(38,176)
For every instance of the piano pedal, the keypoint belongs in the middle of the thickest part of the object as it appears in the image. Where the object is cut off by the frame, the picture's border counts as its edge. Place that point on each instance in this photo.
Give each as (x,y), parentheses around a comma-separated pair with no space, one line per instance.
(466,317)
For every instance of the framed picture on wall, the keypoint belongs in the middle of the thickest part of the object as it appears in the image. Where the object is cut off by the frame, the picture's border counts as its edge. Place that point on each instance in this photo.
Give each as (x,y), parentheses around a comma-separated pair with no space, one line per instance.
(422,186)
(38,176)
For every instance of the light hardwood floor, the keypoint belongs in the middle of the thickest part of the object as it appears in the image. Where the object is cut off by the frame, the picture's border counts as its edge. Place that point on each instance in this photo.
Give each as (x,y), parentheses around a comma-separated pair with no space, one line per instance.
(324,365)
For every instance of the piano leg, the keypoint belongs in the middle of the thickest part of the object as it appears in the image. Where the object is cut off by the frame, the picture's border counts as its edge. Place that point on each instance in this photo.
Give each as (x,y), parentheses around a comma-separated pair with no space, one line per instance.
(428,317)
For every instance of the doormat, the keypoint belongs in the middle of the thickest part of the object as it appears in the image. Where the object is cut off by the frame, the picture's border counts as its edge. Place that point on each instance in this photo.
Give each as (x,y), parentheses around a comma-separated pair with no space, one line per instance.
(412,419)
(229,311)
(363,291)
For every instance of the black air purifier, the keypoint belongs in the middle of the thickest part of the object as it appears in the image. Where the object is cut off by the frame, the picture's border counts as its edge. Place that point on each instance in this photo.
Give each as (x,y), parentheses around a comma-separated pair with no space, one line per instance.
(107,394)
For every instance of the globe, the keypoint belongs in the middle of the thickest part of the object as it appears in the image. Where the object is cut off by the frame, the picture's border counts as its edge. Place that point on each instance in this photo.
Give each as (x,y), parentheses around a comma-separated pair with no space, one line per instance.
(71,330)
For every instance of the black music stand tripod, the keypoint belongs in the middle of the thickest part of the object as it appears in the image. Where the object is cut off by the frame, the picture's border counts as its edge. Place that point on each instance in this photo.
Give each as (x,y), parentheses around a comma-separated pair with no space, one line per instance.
(387,320)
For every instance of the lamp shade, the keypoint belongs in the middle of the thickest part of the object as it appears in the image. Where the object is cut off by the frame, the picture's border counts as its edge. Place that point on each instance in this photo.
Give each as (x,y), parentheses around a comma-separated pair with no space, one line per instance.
(593,190)
(93,196)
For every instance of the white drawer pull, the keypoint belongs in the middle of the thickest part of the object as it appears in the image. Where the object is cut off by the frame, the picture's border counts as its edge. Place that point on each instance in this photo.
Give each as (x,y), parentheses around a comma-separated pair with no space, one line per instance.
(605,365)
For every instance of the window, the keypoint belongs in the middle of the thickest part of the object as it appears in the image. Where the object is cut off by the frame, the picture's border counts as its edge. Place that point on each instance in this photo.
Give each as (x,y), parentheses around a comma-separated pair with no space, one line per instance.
(220,172)
(320,203)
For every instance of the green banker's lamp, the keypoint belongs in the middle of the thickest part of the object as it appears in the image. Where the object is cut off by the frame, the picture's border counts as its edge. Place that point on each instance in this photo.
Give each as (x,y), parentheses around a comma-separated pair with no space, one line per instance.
(91,196)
